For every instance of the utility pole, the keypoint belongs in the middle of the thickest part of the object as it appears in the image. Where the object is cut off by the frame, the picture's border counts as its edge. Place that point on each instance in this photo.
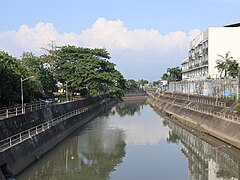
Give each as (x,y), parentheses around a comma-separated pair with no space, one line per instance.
(238,83)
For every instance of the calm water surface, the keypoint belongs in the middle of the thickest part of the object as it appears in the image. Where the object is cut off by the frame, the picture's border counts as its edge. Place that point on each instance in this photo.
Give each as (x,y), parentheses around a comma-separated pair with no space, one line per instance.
(134,142)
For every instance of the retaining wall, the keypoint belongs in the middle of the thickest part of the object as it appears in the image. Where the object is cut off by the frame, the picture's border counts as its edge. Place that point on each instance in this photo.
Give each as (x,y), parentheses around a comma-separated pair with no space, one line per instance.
(16,158)
(220,128)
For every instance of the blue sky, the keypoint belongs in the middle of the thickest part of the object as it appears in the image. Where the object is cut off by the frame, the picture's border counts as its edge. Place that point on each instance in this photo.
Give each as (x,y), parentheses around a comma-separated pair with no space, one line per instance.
(143,37)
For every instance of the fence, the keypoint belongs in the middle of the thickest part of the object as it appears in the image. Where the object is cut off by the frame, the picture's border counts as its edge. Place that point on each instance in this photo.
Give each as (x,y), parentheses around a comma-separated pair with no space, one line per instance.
(17,110)
(20,137)
(227,117)
(28,107)
(208,87)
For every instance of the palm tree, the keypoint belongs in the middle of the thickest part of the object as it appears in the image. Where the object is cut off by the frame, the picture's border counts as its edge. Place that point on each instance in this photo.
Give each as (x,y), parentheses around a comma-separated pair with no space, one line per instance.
(222,67)
(227,65)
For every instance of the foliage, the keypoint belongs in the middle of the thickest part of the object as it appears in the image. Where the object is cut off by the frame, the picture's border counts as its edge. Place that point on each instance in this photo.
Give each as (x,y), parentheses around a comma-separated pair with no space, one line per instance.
(173,74)
(238,109)
(10,73)
(233,68)
(227,65)
(156,83)
(141,83)
(11,70)
(128,110)
(88,71)
(36,66)
(84,70)
(131,84)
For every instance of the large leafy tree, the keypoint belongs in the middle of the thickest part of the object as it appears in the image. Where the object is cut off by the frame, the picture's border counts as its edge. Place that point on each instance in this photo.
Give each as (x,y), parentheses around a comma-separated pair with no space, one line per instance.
(85,70)
(88,71)
(11,70)
(227,65)
(131,84)
(10,73)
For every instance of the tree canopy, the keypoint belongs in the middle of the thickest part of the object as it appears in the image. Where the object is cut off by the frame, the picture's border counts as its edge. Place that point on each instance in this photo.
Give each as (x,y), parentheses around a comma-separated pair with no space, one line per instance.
(84,70)
(88,71)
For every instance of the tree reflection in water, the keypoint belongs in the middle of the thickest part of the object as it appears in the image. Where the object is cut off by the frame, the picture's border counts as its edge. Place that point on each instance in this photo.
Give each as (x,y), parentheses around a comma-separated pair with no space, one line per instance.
(129,108)
(82,156)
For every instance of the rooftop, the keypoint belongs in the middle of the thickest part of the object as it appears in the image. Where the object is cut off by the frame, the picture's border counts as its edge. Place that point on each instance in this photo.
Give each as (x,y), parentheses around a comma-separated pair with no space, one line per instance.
(236,24)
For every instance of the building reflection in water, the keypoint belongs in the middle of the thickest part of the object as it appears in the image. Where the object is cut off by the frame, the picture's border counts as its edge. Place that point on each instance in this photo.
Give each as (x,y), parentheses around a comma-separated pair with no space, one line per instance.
(207,160)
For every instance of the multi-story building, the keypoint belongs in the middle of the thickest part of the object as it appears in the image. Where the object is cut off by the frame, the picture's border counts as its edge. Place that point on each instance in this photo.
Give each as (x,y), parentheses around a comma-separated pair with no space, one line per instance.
(204,50)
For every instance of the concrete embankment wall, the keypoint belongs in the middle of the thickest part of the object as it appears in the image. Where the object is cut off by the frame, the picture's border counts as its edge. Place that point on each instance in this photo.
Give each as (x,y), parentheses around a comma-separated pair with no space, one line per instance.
(16,158)
(220,128)
(135,95)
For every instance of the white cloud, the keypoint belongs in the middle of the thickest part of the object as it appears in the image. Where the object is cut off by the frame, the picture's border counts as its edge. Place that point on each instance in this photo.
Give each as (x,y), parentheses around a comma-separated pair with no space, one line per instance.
(137,45)
(154,131)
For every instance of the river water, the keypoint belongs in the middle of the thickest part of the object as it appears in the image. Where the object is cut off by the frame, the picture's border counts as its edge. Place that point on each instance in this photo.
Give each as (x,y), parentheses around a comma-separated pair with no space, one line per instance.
(134,142)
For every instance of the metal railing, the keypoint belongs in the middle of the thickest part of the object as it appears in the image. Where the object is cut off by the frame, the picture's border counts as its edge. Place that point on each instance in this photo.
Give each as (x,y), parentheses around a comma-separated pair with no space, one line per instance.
(224,116)
(202,101)
(28,107)
(17,110)
(29,133)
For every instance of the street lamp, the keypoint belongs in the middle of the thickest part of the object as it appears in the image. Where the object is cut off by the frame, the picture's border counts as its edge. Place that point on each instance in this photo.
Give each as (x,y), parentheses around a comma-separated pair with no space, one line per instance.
(22,80)
(67,88)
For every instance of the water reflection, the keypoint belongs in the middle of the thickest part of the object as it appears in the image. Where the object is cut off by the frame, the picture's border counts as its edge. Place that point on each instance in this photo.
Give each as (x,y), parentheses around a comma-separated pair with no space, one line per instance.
(129,108)
(93,153)
(141,128)
(134,142)
(207,160)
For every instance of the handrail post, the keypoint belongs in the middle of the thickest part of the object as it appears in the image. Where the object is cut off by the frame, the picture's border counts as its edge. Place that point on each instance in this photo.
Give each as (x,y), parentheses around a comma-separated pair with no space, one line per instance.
(6,113)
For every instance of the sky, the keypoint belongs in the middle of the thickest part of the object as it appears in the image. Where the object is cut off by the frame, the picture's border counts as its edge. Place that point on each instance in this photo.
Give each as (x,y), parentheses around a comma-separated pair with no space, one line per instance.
(143,37)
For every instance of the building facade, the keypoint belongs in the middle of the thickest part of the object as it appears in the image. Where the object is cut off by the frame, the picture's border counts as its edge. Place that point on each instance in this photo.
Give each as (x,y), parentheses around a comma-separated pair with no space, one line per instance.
(204,50)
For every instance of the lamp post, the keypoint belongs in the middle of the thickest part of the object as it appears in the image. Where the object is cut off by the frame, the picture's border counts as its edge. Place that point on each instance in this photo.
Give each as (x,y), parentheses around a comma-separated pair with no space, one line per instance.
(22,80)
(67,88)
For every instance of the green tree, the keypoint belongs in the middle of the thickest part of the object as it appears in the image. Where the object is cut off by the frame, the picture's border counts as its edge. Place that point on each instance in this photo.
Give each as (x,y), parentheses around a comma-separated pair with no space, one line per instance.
(233,70)
(11,70)
(88,71)
(173,74)
(227,65)
(131,84)
(45,84)
(156,83)
(10,73)
(165,76)
(141,83)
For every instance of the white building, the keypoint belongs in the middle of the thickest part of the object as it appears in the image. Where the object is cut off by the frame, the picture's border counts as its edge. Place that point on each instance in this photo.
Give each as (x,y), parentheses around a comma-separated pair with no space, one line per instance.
(205,48)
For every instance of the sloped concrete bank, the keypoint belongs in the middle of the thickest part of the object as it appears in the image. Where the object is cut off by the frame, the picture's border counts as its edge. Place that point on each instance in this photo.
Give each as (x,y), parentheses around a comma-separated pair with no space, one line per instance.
(18,157)
(220,128)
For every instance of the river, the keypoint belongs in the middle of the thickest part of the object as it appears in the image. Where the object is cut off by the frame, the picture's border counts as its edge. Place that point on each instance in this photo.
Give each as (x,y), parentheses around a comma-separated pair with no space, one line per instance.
(134,142)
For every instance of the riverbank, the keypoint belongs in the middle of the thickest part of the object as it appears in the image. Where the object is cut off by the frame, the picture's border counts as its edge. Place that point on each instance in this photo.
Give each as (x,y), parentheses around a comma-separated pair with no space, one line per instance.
(203,114)
(25,138)
(135,95)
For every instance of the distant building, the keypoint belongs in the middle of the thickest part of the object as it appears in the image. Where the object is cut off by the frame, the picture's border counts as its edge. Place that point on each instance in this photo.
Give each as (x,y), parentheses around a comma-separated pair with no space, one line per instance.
(205,48)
